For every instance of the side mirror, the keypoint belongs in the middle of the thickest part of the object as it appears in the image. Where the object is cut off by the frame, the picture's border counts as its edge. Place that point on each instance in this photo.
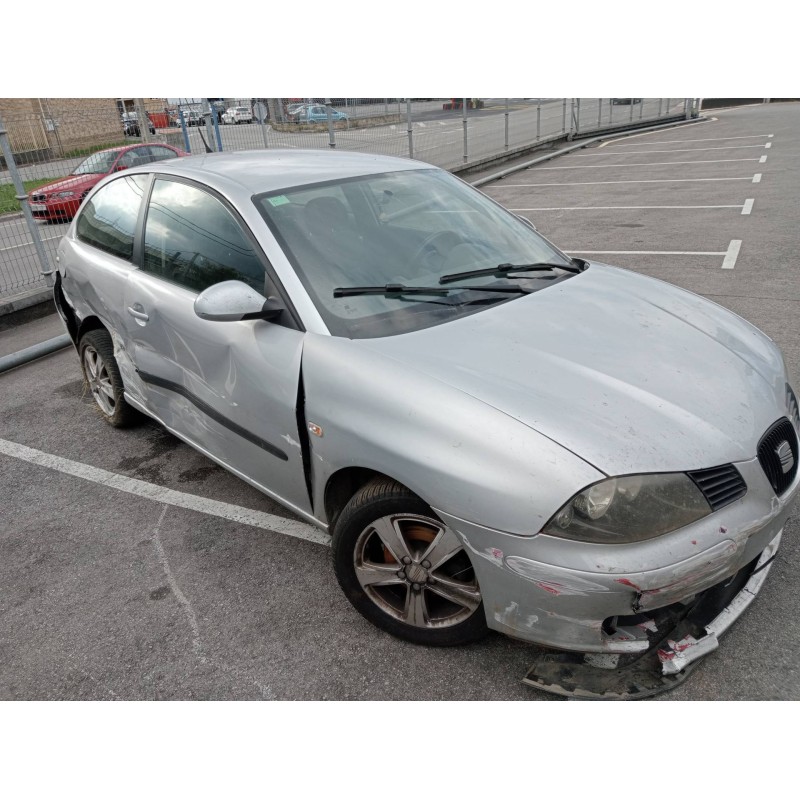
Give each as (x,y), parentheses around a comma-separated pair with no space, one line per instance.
(233,301)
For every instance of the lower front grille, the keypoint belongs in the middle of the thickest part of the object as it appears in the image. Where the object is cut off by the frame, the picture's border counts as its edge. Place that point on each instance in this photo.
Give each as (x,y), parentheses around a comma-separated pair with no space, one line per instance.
(777,454)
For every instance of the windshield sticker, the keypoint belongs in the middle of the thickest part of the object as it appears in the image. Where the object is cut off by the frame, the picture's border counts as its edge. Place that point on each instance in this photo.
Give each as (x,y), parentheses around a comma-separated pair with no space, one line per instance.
(280,200)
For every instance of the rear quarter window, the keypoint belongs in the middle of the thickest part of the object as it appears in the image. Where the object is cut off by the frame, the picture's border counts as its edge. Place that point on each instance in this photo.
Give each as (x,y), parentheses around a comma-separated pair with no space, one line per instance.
(108,220)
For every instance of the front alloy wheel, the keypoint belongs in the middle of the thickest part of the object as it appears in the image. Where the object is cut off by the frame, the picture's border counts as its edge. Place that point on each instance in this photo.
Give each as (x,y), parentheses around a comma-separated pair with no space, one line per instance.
(406,571)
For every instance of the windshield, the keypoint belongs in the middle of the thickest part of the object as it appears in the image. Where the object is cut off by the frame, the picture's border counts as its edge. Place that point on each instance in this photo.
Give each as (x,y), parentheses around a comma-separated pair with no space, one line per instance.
(97,164)
(411,228)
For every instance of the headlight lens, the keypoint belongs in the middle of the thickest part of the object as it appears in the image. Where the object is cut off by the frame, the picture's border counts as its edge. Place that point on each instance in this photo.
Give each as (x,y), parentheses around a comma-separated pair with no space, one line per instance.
(64,194)
(630,509)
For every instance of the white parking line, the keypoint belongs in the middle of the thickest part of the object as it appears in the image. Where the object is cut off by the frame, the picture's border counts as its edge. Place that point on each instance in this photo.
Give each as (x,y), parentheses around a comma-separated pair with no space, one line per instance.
(505,185)
(674,150)
(649,252)
(653,164)
(732,254)
(757,177)
(683,141)
(160,494)
(768,145)
(762,160)
(625,208)
(747,207)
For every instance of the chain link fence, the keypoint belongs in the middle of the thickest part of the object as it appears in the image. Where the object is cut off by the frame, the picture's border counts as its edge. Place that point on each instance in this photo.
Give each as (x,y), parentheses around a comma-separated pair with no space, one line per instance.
(44,141)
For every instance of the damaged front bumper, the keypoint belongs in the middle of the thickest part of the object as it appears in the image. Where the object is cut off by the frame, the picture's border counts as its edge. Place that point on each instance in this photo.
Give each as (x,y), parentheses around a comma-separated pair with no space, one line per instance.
(679,637)
(605,599)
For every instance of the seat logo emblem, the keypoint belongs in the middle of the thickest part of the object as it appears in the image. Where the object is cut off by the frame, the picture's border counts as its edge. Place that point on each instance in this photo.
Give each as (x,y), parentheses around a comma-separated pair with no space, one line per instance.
(784,453)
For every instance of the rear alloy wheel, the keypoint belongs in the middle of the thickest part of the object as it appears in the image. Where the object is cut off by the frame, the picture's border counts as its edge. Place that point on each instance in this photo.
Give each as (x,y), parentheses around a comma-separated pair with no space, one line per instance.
(405,570)
(101,377)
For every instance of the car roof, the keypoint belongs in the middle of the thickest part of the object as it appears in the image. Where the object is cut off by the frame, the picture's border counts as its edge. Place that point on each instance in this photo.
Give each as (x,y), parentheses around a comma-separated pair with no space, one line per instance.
(267,170)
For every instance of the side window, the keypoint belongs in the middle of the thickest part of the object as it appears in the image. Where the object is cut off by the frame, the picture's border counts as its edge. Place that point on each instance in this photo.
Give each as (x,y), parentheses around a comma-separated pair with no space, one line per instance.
(160,153)
(108,220)
(191,239)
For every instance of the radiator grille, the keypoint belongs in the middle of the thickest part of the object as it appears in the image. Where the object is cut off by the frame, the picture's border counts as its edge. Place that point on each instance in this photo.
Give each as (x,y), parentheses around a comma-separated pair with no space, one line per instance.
(720,485)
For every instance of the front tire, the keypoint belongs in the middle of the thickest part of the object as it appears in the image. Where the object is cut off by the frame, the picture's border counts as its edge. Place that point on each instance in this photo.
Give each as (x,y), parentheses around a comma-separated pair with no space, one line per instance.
(101,377)
(404,570)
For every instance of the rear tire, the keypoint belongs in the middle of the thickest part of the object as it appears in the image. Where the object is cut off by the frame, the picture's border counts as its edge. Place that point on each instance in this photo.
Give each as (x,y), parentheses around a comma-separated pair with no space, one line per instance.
(101,377)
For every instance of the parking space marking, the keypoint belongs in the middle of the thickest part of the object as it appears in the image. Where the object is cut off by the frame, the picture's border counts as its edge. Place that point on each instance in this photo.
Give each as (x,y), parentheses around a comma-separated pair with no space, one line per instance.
(748,206)
(675,150)
(684,141)
(762,160)
(757,177)
(732,254)
(160,494)
(628,208)
(768,145)
(599,183)
(653,164)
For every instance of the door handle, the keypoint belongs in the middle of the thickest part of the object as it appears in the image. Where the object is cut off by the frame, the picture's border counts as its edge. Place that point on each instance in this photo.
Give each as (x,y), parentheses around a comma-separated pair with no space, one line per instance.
(140,315)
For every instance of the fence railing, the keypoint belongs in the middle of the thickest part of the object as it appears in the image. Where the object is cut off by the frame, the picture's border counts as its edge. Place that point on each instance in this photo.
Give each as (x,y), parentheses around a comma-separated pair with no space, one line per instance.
(51,141)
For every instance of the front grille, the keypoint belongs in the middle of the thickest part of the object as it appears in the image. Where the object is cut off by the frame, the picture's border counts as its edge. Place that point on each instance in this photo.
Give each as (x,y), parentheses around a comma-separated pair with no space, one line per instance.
(777,454)
(720,485)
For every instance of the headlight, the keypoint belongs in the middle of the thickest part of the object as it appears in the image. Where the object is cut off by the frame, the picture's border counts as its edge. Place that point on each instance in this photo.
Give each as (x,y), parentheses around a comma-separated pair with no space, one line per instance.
(63,194)
(630,509)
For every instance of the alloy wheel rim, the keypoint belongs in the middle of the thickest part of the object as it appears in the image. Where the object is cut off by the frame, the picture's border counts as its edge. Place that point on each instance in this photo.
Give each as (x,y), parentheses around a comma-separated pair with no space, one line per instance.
(415,569)
(99,380)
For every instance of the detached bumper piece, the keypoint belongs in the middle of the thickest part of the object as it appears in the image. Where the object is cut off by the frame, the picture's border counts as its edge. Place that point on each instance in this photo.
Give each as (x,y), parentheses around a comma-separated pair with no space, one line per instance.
(680,636)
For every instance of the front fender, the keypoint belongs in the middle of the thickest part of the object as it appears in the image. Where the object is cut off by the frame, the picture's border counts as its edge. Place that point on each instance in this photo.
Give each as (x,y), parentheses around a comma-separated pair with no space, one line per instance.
(457,453)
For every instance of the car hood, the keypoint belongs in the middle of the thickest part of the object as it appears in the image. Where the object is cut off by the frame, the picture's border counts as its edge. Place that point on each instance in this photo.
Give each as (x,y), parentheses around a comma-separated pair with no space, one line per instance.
(627,372)
(71,184)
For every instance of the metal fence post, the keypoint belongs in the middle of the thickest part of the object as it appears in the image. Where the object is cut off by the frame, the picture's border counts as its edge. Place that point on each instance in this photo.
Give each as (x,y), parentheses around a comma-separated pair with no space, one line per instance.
(610,110)
(260,111)
(183,128)
(215,123)
(632,105)
(687,108)
(328,112)
(506,123)
(143,120)
(464,123)
(22,196)
(600,112)
(660,104)
(538,120)
(564,116)
(410,130)
(571,118)
(577,115)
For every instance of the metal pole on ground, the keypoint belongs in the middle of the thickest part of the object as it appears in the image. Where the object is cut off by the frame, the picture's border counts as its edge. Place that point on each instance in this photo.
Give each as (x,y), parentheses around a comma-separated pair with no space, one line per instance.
(577,115)
(215,123)
(506,115)
(564,116)
(143,120)
(538,120)
(660,104)
(599,112)
(22,196)
(571,118)
(260,111)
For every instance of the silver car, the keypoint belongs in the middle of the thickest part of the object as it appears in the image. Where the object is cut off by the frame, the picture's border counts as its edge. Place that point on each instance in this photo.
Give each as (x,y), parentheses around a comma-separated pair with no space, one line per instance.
(496,435)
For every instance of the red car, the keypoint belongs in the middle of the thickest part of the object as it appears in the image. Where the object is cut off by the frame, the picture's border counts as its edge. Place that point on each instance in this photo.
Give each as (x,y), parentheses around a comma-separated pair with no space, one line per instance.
(60,200)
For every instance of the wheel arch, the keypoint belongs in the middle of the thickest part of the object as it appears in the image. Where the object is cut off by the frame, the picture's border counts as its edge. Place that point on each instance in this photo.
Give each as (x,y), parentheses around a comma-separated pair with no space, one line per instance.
(342,485)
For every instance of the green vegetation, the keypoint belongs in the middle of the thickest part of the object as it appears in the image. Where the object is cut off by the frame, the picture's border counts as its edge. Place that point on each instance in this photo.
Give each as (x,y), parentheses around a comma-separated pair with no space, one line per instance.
(8,199)
(87,151)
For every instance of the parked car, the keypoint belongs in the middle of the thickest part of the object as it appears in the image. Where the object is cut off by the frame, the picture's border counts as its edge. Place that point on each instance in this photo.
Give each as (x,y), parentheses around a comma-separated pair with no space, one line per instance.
(494,434)
(59,201)
(130,124)
(192,116)
(316,113)
(625,101)
(236,115)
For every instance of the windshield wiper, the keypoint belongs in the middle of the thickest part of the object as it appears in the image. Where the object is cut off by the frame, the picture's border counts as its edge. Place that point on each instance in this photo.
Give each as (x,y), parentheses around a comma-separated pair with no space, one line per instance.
(399,288)
(504,269)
